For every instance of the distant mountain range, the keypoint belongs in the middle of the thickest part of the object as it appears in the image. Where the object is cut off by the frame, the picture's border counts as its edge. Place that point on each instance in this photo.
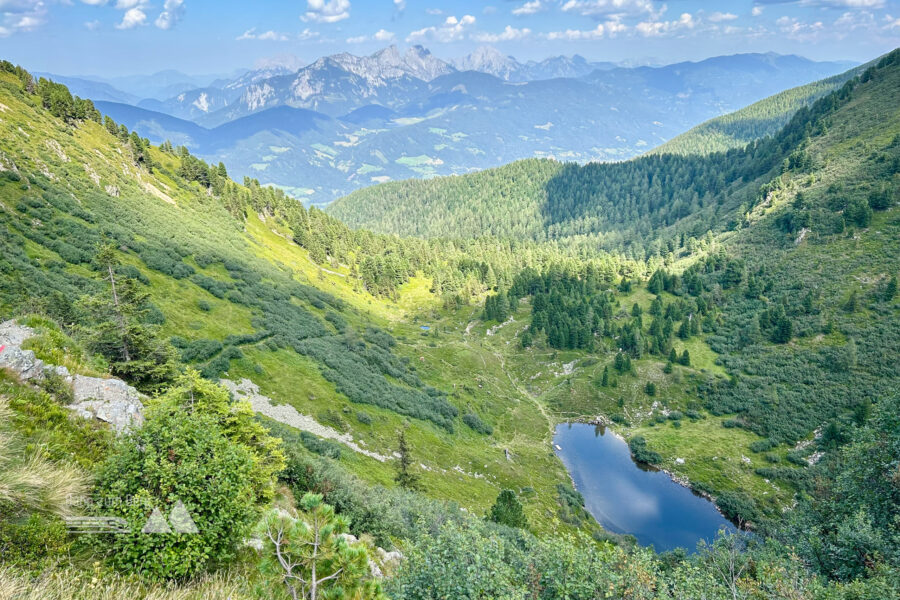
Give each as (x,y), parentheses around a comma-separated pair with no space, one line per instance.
(345,121)
(488,59)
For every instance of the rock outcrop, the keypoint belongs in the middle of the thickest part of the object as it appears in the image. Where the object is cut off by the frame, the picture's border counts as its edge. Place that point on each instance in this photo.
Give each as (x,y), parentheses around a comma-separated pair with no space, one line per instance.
(284,413)
(109,400)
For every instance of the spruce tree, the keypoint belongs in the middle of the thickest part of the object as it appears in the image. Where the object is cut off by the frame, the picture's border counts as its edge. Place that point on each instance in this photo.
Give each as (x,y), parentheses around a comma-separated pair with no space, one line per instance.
(119,332)
(405,477)
(507,510)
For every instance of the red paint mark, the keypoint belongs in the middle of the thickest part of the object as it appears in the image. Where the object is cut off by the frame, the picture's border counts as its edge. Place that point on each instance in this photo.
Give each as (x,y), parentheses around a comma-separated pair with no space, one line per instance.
(2,348)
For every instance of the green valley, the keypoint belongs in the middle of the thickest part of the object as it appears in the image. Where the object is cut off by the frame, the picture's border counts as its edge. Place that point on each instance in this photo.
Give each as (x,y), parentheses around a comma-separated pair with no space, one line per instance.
(729,309)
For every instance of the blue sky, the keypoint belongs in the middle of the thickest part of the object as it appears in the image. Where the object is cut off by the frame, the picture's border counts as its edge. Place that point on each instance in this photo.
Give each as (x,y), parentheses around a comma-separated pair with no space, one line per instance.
(117,37)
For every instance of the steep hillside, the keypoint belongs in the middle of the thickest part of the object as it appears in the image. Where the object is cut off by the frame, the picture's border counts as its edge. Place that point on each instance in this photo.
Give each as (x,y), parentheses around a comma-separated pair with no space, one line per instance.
(801,227)
(746,346)
(331,329)
(627,206)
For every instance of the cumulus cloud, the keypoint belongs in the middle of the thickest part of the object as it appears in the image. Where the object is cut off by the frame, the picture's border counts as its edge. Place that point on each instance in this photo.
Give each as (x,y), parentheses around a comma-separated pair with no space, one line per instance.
(266,36)
(172,12)
(757,10)
(382,35)
(451,30)
(577,34)
(659,28)
(529,8)
(830,3)
(400,4)
(21,15)
(620,8)
(719,17)
(308,34)
(508,34)
(132,18)
(326,11)
(799,30)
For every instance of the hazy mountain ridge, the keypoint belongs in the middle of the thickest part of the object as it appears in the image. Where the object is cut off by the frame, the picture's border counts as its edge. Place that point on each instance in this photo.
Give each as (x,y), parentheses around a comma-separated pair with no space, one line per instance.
(422,117)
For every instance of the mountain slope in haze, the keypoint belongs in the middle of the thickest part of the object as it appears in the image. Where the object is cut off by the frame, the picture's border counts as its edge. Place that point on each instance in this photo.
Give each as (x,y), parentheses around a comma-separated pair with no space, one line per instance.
(758,120)
(569,202)
(458,122)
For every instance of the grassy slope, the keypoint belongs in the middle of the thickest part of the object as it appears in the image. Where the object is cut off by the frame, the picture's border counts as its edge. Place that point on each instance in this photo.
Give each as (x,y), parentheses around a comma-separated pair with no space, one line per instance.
(845,162)
(463,466)
(522,394)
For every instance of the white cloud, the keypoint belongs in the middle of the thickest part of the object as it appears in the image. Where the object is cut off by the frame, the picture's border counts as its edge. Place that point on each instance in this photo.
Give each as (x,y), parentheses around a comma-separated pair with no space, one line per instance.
(529,8)
(434,11)
(92,25)
(128,4)
(718,17)
(799,30)
(382,35)
(892,23)
(307,35)
(266,36)
(272,36)
(577,34)
(21,15)
(172,12)
(326,11)
(856,3)
(658,28)
(451,30)
(132,18)
(757,10)
(508,34)
(595,8)
(400,4)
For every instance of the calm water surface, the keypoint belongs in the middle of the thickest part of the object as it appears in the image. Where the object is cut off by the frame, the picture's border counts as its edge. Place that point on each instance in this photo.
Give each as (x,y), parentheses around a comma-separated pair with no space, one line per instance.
(627,498)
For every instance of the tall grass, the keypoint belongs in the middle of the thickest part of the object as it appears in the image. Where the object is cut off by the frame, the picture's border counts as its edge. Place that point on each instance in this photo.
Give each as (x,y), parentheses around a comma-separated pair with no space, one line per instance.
(29,482)
(70,584)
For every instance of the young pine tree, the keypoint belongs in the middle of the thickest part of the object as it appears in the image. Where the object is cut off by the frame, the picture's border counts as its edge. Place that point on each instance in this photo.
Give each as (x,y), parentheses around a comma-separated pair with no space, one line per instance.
(313,558)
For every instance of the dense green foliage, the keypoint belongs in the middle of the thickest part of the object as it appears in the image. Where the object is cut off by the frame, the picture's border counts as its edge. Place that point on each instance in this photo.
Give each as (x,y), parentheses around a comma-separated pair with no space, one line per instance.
(752,290)
(177,457)
(507,510)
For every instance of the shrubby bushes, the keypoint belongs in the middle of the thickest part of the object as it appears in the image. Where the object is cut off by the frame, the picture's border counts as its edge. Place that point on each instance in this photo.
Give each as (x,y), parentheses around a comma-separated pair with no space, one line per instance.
(177,457)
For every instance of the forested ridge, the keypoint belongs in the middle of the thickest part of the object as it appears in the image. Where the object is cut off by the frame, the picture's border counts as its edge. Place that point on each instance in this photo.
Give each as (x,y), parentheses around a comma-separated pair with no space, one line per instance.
(753,122)
(751,292)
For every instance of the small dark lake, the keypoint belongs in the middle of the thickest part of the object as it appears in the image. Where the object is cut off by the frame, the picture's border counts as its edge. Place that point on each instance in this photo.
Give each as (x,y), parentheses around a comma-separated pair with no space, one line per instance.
(629,498)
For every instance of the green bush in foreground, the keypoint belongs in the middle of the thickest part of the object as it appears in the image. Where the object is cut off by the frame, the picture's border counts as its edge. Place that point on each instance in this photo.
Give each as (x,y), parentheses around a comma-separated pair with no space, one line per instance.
(176,459)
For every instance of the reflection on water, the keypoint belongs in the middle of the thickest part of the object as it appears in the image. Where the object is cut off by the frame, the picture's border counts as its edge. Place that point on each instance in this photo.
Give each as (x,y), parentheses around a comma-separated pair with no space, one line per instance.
(626,497)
